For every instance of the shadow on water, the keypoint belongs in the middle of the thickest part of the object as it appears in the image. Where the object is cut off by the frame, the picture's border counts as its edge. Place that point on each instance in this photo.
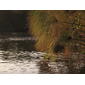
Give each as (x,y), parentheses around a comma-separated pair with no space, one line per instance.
(26,45)
(60,68)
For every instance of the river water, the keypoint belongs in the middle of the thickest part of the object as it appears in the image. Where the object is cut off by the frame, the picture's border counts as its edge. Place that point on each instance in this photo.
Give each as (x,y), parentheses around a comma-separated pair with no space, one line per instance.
(18,56)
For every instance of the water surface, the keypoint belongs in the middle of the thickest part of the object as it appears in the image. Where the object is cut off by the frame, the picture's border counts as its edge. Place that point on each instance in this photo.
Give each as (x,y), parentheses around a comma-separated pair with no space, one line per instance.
(18,55)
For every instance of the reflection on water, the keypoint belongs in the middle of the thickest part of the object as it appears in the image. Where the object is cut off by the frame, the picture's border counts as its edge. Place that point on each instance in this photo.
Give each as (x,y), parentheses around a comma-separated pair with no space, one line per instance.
(15,54)
(18,55)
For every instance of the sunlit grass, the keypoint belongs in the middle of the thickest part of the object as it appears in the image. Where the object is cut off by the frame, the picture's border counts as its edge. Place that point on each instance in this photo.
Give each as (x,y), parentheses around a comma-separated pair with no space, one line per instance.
(44,25)
(51,28)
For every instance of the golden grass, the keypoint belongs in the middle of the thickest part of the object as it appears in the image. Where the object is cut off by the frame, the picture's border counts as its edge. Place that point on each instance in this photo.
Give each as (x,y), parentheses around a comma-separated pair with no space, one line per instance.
(48,27)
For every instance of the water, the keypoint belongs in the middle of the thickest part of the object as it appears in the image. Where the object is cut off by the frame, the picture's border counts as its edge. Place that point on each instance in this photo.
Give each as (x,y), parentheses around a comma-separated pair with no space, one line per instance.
(15,52)
(18,55)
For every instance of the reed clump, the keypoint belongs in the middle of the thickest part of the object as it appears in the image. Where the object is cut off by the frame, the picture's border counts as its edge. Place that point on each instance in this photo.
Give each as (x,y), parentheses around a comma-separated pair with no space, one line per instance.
(51,28)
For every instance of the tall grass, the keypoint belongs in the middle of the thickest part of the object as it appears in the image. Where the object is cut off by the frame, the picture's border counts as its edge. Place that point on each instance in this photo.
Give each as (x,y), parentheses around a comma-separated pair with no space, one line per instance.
(48,28)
